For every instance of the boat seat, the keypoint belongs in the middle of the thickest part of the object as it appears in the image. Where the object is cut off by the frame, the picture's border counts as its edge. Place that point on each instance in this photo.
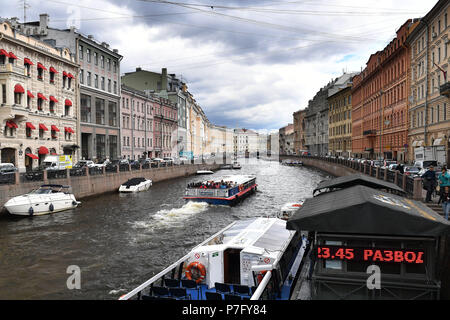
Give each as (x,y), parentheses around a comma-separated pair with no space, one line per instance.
(179,293)
(240,289)
(160,291)
(191,284)
(222,287)
(145,297)
(213,296)
(232,296)
(172,283)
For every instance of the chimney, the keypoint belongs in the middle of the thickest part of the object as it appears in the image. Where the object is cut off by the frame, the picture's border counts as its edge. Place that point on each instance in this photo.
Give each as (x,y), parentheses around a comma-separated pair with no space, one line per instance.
(115,50)
(138,69)
(164,79)
(43,21)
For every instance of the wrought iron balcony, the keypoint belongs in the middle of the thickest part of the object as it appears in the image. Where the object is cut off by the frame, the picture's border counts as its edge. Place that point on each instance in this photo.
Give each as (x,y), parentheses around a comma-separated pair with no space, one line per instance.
(445,89)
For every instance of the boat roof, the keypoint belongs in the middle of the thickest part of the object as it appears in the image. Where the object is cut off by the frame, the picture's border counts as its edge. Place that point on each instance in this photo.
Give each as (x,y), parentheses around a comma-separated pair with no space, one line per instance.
(263,235)
(134,181)
(363,210)
(357,179)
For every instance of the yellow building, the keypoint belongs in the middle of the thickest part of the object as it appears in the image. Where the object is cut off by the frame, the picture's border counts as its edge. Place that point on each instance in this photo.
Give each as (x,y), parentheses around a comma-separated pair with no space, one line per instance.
(429,112)
(340,122)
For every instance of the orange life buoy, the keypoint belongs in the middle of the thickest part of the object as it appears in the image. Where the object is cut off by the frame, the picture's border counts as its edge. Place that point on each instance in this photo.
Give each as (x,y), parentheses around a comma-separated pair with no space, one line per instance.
(198,266)
(241,187)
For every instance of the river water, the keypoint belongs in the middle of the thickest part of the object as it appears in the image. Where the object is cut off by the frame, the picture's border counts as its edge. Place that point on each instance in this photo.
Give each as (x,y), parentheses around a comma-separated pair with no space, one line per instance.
(120,240)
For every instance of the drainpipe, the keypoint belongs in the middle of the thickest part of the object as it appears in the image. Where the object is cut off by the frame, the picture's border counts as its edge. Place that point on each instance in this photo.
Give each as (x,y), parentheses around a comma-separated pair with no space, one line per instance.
(426,83)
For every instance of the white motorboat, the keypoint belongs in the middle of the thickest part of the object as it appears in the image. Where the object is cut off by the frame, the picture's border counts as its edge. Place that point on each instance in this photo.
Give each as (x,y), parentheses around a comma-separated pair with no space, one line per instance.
(136,185)
(254,259)
(49,198)
(204,172)
(236,165)
(288,209)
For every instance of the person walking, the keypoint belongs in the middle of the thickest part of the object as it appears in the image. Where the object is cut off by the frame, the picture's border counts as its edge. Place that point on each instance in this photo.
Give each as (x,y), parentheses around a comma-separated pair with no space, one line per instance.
(444,181)
(445,198)
(401,168)
(429,182)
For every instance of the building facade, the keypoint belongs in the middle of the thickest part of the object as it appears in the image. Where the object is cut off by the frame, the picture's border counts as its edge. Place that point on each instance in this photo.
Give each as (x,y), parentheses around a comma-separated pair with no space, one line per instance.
(380,101)
(340,119)
(299,131)
(39,99)
(99,80)
(136,114)
(429,112)
(286,139)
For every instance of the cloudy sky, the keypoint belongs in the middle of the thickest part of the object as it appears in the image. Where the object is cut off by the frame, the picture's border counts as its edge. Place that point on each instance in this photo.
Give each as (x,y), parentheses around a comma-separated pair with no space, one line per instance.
(248,63)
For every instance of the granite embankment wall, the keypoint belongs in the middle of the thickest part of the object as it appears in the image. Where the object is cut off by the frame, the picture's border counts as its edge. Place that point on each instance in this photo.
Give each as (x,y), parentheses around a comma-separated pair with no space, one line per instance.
(334,169)
(91,185)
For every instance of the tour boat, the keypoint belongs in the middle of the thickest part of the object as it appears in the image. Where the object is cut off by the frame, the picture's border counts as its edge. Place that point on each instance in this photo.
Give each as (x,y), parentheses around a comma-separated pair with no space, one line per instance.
(135,185)
(292,163)
(236,165)
(288,209)
(228,190)
(49,198)
(204,172)
(226,167)
(255,259)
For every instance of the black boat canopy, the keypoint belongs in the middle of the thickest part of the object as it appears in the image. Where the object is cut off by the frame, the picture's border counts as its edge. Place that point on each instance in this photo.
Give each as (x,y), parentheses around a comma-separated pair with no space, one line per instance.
(363,210)
(357,179)
(134,181)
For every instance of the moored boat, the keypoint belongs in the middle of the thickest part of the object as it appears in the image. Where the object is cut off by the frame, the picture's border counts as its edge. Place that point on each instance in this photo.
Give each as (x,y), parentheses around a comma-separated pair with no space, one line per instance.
(236,165)
(49,198)
(288,209)
(136,185)
(199,172)
(256,259)
(228,190)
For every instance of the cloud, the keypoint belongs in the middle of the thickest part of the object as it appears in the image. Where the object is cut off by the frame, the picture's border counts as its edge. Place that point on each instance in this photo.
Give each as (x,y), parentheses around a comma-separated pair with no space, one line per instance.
(252,69)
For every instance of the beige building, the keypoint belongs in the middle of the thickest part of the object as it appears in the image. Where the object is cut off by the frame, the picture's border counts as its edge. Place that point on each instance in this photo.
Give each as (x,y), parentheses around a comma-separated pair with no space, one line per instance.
(340,121)
(39,100)
(429,112)
(299,130)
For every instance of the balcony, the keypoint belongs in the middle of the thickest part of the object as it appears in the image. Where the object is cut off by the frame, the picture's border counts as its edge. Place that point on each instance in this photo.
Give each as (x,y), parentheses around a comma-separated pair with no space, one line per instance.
(445,89)
(370,133)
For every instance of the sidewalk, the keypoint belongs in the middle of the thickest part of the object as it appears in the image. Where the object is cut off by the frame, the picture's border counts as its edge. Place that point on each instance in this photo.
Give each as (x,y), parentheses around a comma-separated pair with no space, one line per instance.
(434,203)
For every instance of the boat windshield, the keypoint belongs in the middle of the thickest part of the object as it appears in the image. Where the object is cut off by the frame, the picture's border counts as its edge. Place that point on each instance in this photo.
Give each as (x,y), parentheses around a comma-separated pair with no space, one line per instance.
(46,190)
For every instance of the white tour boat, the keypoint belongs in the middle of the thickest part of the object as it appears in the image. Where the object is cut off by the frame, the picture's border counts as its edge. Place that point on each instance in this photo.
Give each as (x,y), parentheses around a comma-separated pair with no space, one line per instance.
(204,172)
(135,185)
(48,198)
(255,259)
(236,165)
(288,209)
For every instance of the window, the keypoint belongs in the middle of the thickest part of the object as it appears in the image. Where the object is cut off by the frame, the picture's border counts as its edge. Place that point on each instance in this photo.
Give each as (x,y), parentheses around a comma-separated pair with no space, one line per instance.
(3,93)
(108,64)
(88,80)
(40,75)
(115,87)
(102,61)
(17,98)
(445,111)
(109,85)
(40,104)
(103,83)
(54,135)
(88,55)
(99,111)
(115,67)
(64,81)
(52,106)
(85,109)
(101,146)
(96,81)
(81,76)
(80,48)
(96,58)
(112,106)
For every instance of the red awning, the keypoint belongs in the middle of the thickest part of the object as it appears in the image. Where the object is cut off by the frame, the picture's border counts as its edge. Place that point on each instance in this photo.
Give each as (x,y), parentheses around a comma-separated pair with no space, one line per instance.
(28,61)
(70,75)
(3,52)
(68,102)
(30,125)
(41,96)
(53,70)
(64,74)
(30,94)
(40,66)
(52,98)
(43,127)
(32,156)
(11,124)
(12,55)
(54,128)
(67,129)
(43,150)
(18,89)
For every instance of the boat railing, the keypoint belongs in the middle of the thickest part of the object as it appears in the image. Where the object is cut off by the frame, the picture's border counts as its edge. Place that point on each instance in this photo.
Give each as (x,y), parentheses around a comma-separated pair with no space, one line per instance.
(197,192)
(261,289)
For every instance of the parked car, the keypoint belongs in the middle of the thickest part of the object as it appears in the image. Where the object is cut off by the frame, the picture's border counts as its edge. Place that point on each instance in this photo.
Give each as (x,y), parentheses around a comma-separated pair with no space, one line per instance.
(393,166)
(88,163)
(412,171)
(7,172)
(78,169)
(169,160)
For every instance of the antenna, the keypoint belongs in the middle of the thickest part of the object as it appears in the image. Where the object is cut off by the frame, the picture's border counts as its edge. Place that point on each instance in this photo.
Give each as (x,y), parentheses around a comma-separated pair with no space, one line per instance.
(23,4)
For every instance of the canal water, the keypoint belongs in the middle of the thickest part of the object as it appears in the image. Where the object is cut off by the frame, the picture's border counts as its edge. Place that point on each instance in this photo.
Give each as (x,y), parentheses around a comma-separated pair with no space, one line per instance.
(120,240)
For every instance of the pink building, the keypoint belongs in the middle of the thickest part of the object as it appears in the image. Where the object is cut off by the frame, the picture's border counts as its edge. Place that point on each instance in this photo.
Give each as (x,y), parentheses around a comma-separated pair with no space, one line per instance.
(165,128)
(136,114)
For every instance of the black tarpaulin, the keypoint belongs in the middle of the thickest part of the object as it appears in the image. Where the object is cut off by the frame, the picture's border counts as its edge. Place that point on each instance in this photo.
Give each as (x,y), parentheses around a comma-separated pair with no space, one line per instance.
(134,181)
(364,210)
(357,179)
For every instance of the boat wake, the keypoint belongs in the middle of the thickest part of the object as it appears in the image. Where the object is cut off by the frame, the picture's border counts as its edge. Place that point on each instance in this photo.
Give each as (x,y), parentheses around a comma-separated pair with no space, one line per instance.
(166,217)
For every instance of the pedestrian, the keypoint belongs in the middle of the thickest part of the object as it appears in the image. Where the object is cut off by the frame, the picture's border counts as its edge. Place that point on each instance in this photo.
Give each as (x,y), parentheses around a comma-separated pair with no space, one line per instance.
(445,198)
(401,168)
(429,182)
(444,181)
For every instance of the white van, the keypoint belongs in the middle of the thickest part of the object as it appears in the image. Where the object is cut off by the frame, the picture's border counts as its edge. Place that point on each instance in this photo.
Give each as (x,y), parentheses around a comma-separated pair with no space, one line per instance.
(55,162)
